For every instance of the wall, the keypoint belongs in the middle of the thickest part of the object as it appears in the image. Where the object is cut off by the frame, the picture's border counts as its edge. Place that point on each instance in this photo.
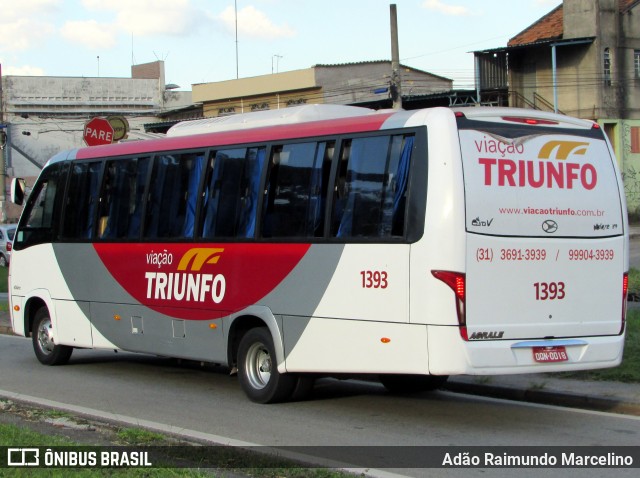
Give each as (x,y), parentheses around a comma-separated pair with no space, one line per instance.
(254,86)
(630,32)
(351,83)
(46,115)
(630,164)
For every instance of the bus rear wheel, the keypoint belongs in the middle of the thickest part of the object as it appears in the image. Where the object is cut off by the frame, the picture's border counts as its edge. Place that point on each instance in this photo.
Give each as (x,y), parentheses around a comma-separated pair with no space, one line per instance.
(412,383)
(44,345)
(258,370)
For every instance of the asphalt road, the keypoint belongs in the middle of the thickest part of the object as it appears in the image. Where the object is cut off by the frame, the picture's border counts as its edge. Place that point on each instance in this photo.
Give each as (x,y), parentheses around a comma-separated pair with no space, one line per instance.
(208,404)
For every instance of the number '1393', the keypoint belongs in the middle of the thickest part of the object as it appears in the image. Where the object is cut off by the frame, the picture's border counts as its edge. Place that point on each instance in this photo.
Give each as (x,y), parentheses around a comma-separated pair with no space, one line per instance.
(549,290)
(374,279)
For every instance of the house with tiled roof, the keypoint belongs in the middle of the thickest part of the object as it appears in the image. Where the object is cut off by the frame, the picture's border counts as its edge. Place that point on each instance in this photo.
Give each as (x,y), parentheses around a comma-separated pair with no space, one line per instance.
(581,59)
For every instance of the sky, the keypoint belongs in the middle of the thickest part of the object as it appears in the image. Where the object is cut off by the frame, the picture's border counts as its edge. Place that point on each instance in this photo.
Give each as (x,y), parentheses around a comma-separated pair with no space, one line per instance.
(199,42)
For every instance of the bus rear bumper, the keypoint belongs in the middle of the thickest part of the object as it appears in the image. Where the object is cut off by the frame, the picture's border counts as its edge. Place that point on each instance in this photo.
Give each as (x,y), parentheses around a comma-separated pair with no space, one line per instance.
(449,354)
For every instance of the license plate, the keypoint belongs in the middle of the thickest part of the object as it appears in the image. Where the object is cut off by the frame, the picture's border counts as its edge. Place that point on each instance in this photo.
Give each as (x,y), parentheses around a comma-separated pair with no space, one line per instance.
(550,354)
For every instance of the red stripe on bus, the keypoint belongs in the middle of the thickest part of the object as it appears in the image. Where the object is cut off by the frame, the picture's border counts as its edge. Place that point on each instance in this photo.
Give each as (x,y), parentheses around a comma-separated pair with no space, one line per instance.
(255,135)
(199,281)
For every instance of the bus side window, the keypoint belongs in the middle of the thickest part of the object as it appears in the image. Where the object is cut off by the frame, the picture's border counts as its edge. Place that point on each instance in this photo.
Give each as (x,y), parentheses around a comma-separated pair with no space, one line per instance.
(296,190)
(81,201)
(341,190)
(121,199)
(173,194)
(371,186)
(42,211)
(232,189)
(398,186)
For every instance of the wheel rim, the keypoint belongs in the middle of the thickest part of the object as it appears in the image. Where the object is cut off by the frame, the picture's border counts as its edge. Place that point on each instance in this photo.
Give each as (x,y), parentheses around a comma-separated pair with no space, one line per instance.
(258,366)
(45,337)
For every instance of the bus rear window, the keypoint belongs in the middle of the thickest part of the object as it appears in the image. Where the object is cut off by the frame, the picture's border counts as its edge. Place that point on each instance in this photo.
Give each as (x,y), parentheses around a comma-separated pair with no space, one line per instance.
(538,180)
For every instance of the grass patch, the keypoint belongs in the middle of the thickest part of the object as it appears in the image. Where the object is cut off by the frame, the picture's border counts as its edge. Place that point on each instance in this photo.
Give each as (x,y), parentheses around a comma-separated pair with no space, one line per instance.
(629,370)
(4,276)
(195,461)
(137,436)
(634,282)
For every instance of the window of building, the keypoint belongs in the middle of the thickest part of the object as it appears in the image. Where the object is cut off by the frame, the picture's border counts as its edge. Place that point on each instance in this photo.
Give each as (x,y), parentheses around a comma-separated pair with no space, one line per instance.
(607,67)
(636,63)
(635,139)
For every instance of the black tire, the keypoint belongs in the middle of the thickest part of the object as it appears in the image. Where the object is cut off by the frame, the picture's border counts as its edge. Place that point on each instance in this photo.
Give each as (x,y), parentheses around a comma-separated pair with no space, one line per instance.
(3,261)
(47,351)
(258,371)
(412,383)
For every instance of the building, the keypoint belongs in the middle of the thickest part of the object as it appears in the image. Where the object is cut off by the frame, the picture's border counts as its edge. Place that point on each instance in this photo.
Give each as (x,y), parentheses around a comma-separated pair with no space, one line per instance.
(43,115)
(363,84)
(581,59)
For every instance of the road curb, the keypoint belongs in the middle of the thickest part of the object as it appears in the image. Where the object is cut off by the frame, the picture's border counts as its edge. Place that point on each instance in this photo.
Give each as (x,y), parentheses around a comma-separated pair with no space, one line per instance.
(546,397)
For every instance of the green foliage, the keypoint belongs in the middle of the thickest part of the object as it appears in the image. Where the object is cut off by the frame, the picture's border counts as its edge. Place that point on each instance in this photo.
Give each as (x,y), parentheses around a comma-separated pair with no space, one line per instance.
(634,282)
(137,436)
(4,275)
(629,370)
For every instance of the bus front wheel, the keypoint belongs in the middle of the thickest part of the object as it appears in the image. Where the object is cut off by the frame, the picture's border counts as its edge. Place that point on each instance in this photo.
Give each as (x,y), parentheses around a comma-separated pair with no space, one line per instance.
(44,345)
(258,370)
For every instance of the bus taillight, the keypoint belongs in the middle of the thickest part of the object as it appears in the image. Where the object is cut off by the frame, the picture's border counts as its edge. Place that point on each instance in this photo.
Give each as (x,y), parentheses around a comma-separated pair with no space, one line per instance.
(457,282)
(530,121)
(625,291)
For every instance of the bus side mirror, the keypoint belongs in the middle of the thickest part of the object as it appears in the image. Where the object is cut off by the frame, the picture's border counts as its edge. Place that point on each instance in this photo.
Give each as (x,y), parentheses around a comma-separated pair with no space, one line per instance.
(18,188)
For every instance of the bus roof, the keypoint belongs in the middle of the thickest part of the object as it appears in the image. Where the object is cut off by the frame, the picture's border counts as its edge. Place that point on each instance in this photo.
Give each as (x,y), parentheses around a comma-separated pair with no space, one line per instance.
(293,115)
(274,127)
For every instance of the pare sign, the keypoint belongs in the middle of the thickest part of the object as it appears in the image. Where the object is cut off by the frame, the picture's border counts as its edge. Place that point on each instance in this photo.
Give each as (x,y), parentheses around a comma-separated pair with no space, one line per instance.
(97,131)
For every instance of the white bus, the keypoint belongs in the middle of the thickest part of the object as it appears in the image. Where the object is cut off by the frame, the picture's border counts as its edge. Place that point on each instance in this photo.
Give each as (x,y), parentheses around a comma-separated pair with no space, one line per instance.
(323,240)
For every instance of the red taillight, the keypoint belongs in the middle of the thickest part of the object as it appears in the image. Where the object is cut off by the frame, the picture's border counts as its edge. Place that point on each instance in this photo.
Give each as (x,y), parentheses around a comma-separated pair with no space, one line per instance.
(625,291)
(9,246)
(517,119)
(457,282)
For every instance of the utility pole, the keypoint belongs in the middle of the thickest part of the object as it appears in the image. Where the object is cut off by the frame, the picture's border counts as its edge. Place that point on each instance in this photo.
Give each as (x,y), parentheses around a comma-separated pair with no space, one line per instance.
(396,84)
(3,141)
(277,58)
(235,3)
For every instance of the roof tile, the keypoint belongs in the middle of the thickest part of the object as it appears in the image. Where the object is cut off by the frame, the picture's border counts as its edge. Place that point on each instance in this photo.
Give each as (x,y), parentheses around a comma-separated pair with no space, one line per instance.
(549,27)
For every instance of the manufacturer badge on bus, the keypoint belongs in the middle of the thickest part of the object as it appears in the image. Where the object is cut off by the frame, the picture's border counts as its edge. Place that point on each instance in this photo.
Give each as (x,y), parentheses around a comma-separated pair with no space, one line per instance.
(549,226)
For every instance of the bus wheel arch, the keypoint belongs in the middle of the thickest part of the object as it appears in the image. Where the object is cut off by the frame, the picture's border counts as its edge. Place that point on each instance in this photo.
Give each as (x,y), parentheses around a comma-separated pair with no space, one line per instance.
(239,327)
(30,309)
(44,345)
